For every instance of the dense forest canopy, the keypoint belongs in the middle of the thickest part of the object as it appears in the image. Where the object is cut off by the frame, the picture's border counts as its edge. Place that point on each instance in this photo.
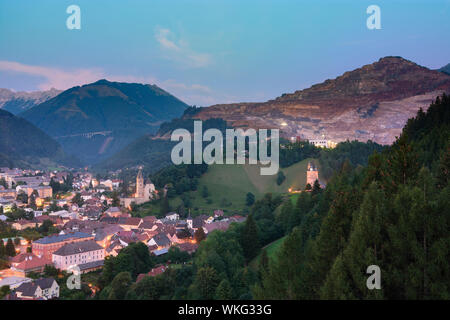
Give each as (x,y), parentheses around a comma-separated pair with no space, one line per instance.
(392,212)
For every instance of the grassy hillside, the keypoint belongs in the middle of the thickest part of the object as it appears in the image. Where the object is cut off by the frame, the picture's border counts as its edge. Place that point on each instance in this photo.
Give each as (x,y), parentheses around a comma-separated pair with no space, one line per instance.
(295,178)
(228,186)
(271,250)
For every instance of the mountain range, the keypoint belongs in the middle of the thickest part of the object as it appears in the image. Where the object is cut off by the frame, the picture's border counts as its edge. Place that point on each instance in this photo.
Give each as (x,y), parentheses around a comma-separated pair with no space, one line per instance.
(370,103)
(122,124)
(96,120)
(17,102)
(24,145)
(154,151)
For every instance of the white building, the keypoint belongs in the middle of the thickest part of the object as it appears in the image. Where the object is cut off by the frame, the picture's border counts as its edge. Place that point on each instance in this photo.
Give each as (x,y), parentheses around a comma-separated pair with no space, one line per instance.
(46,288)
(64,214)
(323,143)
(172,216)
(78,254)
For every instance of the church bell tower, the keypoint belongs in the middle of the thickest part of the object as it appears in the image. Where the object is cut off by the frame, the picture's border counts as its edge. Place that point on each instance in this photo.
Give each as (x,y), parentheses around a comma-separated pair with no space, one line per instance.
(139,184)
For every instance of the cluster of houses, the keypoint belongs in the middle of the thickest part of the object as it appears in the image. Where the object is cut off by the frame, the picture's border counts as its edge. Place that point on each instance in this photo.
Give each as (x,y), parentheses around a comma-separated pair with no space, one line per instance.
(87,234)
(84,244)
(36,185)
(39,289)
(17,181)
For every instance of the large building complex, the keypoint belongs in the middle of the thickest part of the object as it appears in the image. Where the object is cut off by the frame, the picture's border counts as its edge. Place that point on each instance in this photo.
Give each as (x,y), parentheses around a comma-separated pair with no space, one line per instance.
(86,255)
(46,246)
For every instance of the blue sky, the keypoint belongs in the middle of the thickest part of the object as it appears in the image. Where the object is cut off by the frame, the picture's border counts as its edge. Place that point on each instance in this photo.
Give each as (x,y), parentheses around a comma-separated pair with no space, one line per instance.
(212,51)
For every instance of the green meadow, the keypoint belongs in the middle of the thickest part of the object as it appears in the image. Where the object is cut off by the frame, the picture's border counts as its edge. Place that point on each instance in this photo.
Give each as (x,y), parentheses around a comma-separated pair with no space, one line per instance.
(271,250)
(228,186)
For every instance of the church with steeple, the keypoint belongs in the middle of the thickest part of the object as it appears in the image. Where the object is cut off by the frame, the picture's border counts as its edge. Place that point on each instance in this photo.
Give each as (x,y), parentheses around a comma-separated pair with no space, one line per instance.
(144,191)
(139,185)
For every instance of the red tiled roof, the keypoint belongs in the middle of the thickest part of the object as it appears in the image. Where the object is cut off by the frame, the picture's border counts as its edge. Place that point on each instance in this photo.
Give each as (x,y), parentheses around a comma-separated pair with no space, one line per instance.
(218,225)
(147,225)
(134,221)
(32,262)
(55,220)
(123,233)
(140,277)
(154,272)
(143,237)
(188,247)
(24,221)
(20,257)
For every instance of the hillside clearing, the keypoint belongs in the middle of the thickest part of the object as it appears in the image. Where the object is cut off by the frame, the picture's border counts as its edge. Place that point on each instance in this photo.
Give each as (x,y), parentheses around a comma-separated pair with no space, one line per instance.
(228,186)
(271,249)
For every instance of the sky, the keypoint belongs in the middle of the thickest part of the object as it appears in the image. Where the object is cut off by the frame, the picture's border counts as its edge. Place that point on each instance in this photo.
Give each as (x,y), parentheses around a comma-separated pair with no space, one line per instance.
(212,51)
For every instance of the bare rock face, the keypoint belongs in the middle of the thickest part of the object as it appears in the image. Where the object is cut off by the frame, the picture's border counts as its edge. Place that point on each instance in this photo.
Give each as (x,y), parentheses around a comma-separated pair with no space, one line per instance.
(372,102)
(17,102)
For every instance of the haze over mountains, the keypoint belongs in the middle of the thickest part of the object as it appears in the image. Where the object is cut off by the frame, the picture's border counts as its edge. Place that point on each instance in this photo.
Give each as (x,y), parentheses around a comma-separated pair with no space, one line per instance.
(112,124)
(154,151)
(96,120)
(24,145)
(372,102)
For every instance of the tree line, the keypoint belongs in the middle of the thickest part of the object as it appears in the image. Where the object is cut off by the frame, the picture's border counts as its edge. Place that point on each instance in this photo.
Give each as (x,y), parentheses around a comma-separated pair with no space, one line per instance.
(394,213)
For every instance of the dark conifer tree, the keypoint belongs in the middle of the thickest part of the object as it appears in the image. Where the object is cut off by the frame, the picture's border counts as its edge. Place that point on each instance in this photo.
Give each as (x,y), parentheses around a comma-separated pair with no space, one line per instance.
(164,205)
(443,176)
(206,283)
(284,277)
(10,250)
(199,235)
(224,290)
(285,217)
(249,239)
(115,199)
(335,230)
(32,200)
(264,262)
(249,199)
(402,164)
(2,249)
(316,188)
(366,246)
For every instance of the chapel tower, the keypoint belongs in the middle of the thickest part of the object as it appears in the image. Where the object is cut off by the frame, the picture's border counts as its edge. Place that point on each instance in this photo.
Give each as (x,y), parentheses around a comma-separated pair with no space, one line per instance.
(312,174)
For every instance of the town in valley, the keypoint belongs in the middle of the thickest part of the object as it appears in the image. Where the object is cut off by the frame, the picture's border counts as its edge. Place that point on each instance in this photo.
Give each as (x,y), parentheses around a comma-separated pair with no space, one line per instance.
(86,222)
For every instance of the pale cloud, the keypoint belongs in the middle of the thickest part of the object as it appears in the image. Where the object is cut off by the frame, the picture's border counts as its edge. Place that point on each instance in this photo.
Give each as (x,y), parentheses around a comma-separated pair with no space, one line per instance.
(53,77)
(179,51)
(58,78)
(182,86)
(162,36)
